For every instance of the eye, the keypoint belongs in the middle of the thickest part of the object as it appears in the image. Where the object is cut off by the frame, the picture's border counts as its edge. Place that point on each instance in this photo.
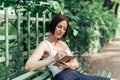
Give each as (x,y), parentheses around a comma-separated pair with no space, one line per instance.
(59,26)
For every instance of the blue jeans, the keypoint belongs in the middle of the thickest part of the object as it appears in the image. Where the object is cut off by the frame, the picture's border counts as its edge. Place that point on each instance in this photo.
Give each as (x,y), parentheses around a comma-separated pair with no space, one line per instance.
(70,74)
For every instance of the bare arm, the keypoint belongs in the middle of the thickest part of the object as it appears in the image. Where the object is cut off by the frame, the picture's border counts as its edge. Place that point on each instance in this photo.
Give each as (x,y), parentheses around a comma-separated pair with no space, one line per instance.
(34,62)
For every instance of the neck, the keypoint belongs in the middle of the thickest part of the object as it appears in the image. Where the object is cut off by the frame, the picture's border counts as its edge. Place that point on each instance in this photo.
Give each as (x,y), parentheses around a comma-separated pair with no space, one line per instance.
(52,38)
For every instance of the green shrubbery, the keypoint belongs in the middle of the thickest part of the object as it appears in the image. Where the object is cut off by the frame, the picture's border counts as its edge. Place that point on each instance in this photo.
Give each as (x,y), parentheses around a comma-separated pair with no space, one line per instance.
(91,26)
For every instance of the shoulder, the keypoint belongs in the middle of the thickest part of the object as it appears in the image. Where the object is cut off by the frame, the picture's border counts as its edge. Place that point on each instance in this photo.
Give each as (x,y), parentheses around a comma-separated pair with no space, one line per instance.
(43,44)
(64,43)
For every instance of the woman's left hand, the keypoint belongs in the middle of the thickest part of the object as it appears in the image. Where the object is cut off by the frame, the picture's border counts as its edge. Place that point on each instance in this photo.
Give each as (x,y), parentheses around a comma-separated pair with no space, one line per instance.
(72,64)
(63,65)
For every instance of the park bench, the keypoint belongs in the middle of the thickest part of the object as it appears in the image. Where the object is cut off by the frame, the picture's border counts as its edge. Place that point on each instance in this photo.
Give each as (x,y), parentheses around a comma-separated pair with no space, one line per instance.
(44,74)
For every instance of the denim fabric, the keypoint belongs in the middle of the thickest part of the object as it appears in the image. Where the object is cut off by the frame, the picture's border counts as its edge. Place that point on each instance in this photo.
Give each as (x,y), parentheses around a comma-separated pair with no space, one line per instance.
(69,74)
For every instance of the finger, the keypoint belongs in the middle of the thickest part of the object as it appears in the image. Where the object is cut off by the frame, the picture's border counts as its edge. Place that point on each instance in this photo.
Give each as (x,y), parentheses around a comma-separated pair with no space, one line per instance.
(60,63)
(63,64)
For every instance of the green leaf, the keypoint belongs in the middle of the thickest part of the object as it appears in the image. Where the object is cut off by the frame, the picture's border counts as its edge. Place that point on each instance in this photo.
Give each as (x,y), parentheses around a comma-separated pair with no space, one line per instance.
(75,32)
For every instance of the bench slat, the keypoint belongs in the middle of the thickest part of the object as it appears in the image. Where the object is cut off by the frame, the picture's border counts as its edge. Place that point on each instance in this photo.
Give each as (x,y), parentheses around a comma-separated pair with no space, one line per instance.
(109,75)
(42,76)
(102,73)
(45,75)
(27,75)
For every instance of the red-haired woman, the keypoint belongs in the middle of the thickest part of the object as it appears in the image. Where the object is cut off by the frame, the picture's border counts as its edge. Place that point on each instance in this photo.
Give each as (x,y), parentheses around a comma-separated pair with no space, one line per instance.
(50,50)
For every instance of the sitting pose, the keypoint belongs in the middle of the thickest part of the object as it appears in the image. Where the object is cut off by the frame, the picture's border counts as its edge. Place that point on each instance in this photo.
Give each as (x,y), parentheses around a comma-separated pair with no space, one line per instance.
(50,50)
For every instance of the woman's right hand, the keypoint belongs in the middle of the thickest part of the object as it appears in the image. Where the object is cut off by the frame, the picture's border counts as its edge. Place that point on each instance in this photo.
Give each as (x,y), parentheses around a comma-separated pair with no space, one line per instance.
(59,55)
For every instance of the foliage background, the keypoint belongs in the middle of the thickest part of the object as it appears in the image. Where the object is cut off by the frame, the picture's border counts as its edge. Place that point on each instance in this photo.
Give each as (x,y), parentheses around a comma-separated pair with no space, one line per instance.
(91,24)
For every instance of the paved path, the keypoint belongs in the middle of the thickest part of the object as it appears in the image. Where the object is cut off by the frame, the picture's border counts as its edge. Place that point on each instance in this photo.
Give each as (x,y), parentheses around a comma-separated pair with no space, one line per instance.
(108,59)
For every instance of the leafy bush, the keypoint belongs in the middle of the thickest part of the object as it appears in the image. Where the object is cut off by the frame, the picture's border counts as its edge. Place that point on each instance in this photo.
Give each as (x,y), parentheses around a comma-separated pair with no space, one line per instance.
(91,25)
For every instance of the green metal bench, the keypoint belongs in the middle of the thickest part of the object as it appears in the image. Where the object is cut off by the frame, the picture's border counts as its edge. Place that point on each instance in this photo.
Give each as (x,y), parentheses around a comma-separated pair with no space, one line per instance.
(44,74)
(33,75)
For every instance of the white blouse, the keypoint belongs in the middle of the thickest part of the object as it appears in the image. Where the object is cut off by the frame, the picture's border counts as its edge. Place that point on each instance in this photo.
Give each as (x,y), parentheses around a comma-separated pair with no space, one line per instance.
(54,69)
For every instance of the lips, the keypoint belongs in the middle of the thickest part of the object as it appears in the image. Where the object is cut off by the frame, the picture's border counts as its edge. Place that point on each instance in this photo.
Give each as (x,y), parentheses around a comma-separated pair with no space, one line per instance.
(59,33)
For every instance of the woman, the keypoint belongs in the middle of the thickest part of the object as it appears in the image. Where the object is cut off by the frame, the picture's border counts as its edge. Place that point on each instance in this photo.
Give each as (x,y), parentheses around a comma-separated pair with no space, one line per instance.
(54,47)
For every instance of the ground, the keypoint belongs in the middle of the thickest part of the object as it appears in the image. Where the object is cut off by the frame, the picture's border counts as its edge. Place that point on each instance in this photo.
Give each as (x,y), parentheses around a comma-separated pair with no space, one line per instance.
(108,59)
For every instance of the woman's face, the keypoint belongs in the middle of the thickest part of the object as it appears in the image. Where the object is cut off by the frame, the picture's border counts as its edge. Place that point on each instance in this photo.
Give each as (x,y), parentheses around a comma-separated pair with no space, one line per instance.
(60,29)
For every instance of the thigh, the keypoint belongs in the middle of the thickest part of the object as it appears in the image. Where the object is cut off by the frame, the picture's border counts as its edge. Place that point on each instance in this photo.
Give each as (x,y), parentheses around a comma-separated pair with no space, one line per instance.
(66,74)
(70,74)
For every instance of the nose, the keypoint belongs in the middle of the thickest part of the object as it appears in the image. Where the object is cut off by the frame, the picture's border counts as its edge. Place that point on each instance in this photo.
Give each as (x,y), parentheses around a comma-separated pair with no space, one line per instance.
(62,30)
